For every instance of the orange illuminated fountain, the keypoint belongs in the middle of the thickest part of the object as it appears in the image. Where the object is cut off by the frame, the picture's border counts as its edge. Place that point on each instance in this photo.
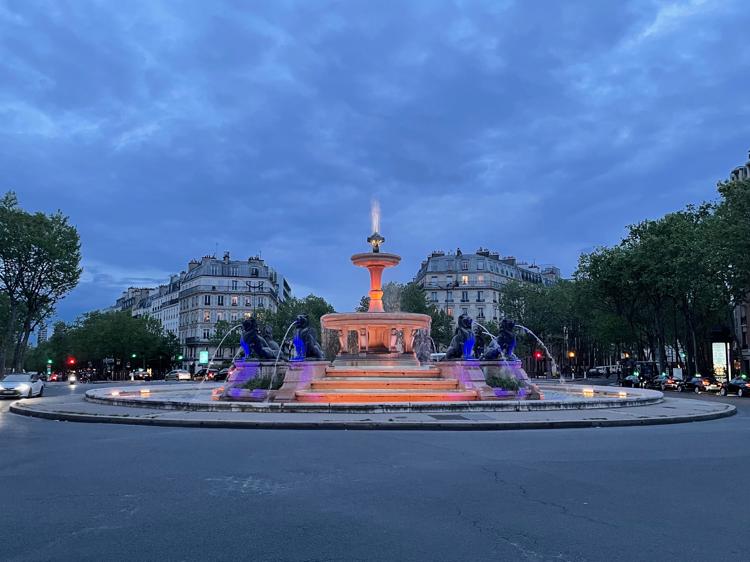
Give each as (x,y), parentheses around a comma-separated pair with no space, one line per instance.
(376,362)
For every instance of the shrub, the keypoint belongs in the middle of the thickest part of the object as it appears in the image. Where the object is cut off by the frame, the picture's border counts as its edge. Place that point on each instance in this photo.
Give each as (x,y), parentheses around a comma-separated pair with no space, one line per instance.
(505,382)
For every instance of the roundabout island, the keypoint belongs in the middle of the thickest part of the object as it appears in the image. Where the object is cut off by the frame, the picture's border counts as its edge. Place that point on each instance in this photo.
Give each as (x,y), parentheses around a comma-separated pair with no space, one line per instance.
(381,376)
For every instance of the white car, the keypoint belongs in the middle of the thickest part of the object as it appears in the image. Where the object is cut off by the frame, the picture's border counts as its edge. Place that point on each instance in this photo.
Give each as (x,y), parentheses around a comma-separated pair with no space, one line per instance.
(178,375)
(21,385)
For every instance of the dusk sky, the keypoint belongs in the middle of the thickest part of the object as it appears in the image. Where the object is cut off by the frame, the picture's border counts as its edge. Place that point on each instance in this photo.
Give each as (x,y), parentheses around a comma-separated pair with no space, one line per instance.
(172,130)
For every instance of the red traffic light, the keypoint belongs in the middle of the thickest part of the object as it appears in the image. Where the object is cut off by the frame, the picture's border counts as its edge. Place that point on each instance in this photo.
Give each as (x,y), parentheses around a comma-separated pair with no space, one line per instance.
(71,360)
(537,355)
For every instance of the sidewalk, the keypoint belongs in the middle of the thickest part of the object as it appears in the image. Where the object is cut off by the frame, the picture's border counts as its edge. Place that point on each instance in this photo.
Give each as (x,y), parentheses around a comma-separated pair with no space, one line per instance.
(75,409)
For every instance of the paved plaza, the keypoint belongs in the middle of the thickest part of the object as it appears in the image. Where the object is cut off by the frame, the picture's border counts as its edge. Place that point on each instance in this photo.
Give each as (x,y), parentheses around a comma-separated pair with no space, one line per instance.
(116,492)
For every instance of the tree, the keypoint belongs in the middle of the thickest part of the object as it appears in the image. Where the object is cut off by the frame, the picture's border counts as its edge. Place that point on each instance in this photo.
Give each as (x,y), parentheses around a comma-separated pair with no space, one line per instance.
(364,304)
(232,341)
(39,264)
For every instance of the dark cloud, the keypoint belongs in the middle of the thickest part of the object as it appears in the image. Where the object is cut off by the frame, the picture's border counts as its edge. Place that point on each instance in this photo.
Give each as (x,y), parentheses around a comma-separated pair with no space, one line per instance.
(170,129)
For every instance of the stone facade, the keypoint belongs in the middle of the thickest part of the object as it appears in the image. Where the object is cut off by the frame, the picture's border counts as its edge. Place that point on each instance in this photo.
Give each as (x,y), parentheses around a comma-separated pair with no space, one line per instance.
(471,283)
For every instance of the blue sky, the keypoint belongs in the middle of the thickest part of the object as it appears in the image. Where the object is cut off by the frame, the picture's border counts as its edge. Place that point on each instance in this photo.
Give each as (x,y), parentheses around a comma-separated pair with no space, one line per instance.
(171,130)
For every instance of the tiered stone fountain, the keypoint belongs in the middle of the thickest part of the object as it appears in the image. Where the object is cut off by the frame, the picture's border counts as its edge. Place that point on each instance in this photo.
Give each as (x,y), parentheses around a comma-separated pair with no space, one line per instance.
(377,363)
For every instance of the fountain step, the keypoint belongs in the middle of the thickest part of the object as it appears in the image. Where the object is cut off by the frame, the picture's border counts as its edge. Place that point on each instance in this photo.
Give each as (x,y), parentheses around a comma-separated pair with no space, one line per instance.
(382,371)
(347,383)
(364,396)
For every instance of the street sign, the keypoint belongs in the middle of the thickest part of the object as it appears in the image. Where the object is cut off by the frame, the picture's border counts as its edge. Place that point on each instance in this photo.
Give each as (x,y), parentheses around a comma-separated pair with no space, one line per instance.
(109,360)
(203,357)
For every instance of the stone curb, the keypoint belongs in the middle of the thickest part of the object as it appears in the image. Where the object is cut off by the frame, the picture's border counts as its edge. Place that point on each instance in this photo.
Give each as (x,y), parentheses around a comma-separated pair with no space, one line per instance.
(727,411)
(641,398)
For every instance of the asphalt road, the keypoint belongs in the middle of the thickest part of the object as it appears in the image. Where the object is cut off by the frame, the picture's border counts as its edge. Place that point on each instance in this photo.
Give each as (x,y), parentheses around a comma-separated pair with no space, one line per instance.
(110,492)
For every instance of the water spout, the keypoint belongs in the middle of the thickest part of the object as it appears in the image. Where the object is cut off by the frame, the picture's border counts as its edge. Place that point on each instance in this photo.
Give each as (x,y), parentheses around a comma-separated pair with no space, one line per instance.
(276,362)
(553,365)
(375,215)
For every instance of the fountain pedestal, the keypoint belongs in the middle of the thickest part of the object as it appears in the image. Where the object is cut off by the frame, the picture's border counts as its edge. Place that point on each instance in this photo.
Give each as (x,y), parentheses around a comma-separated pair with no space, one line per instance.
(376,262)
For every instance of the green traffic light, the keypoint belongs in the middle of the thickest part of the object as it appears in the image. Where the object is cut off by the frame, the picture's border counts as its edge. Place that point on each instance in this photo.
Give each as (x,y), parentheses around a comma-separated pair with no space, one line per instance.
(179,357)
(133,356)
(49,361)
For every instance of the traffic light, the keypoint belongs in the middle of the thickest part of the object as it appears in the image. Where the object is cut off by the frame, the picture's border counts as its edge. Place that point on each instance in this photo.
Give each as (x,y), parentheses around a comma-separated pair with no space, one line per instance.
(71,361)
(134,355)
(571,354)
(49,361)
(179,357)
(537,355)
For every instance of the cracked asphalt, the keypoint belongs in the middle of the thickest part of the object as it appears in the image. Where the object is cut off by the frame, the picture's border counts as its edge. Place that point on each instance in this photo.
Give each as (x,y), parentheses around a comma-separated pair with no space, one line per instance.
(109,492)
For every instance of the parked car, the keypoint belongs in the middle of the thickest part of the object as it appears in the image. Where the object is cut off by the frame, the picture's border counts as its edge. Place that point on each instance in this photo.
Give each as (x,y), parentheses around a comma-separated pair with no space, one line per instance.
(702,383)
(222,375)
(178,375)
(207,374)
(21,385)
(738,386)
(140,375)
(664,382)
(636,380)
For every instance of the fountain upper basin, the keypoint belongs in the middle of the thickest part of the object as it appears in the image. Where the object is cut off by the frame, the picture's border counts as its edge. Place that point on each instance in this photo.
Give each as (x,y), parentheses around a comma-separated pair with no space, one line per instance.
(375,330)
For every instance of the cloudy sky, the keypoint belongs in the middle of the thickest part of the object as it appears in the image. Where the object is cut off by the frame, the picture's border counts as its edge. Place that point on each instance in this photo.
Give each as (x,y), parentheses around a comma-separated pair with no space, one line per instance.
(172,130)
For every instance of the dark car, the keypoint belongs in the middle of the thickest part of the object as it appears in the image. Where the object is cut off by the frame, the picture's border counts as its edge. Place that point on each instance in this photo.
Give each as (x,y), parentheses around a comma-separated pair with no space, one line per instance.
(207,374)
(664,382)
(738,386)
(636,380)
(222,375)
(701,383)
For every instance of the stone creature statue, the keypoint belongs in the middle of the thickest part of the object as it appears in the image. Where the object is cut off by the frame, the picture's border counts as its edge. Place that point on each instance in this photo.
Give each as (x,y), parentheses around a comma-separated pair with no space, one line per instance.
(504,344)
(462,343)
(268,336)
(305,344)
(253,344)
(421,345)
(480,341)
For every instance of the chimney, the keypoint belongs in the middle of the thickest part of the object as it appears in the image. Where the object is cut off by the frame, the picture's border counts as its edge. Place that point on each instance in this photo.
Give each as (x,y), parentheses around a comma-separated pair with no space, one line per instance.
(226,257)
(193,264)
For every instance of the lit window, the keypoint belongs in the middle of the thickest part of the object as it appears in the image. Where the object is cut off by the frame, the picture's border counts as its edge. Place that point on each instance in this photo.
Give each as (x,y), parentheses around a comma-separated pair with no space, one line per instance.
(480,279)
(235,301)
(248,314)
(207,316)
(464,280)
(449,311)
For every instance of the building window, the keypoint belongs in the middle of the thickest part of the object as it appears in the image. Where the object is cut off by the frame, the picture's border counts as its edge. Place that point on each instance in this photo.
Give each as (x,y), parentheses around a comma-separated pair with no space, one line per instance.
(207,300)
(248,314)
(235,301)
(464,296)
(206,333)
(433,296)
(235,271)
(234,284)
(465,310)
(254,272)
(248,302)
(206,315)
(214,270)
(234,316)
(449,311)
(480,265)
(480,279)
(219,316)
(480,296)
(449,296)
(220,300)
(261,302)
(480,314)
(220,352)
(449,280)
(464,280)
(464,265)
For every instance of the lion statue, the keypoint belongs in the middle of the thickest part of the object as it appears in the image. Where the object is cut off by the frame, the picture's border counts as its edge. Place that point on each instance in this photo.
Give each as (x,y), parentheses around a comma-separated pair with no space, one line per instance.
(253,344)
(305,343)
(462,343)
(504,344)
